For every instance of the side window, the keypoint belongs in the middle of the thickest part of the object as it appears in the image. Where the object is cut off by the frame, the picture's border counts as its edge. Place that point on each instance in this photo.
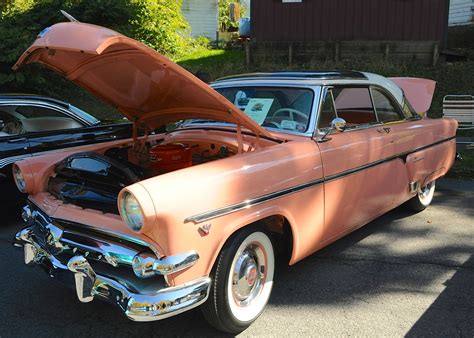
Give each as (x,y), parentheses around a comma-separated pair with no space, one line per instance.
(408,110)
(9,123)
(386,110)
(41,119)
(33,111)
(327,112)
(354,105)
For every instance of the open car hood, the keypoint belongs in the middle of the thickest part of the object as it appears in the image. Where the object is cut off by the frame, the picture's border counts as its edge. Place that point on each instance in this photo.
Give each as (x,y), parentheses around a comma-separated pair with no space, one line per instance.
(144,85)
(419,92)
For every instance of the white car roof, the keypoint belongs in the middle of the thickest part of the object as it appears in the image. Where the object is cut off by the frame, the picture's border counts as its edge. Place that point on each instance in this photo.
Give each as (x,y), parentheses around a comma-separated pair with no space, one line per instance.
(327,78)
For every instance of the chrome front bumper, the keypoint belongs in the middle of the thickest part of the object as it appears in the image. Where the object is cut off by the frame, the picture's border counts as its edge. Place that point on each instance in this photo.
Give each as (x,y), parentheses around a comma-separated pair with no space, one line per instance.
(77,270)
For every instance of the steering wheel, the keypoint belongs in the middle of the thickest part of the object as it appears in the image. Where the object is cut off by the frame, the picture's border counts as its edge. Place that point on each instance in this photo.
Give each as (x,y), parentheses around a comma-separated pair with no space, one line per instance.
(271,124)
(291,114)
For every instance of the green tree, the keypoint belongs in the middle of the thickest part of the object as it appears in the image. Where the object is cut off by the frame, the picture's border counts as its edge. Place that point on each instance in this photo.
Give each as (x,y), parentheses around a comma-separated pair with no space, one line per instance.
(157,23)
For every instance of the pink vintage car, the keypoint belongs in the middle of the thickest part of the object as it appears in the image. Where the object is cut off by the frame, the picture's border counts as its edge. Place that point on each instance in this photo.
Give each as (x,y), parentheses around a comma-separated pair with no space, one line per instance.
(259,164)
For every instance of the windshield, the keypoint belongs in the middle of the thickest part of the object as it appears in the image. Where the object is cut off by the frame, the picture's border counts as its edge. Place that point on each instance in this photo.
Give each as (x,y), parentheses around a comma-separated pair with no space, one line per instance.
(287,109)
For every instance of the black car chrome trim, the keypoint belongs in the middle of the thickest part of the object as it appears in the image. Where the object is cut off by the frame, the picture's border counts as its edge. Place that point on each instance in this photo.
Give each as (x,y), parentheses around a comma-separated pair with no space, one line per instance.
(10,160)
(205,216)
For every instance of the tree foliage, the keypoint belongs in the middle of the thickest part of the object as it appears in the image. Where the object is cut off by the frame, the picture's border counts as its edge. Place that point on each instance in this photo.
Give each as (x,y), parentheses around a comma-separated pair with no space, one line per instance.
(158,23)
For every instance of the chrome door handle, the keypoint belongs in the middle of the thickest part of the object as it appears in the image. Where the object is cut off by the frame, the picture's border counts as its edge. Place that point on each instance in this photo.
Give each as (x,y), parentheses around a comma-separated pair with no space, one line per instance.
(16,140)
(384,130)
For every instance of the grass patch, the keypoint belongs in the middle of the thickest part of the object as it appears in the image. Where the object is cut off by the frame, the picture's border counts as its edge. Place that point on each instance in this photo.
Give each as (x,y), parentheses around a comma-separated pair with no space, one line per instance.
(218,62)
(464,169)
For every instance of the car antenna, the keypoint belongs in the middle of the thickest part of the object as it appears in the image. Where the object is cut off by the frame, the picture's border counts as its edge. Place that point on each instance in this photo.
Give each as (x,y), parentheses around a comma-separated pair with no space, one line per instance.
(69,16)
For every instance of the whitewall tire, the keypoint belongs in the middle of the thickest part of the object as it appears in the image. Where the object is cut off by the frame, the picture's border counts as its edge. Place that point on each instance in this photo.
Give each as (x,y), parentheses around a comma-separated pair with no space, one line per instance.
(242,281)
(423,198)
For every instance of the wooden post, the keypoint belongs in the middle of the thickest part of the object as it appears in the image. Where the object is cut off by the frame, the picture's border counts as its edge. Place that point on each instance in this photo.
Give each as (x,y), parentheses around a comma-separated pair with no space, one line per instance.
(435,54)
(387,52)
(336,52)
(247,54)
(290,54)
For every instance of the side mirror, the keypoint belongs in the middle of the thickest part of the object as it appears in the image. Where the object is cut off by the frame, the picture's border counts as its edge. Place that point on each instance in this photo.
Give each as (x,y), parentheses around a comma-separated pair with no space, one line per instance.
(338,124)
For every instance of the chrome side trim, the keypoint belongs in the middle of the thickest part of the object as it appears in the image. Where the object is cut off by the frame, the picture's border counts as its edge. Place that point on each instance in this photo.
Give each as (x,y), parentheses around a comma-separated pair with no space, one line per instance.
(251,202)
(205,216)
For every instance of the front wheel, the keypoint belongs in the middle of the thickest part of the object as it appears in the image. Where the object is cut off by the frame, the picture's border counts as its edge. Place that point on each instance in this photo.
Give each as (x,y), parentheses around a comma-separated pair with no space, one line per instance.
(423,198)
(242,281)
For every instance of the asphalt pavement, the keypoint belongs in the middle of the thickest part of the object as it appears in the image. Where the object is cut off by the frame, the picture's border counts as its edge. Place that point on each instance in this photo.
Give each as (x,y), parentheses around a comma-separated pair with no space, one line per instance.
(403,274)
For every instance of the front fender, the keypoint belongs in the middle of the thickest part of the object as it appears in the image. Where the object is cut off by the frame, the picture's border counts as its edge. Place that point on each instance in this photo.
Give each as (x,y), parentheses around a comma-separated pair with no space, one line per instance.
(180,195)
(252,218)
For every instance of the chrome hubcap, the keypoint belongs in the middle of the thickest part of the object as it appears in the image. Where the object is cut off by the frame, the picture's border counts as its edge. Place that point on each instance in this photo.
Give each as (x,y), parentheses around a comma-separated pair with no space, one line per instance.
(248,276)
(425,191)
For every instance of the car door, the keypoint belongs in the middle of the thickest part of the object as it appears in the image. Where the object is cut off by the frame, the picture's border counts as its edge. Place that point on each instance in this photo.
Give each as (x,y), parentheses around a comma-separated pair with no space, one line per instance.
(13,147)
(359,179)
(399,123)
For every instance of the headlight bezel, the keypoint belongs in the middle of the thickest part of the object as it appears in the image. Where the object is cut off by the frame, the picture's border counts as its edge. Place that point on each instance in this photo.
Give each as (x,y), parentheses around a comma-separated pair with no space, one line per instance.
(135,221)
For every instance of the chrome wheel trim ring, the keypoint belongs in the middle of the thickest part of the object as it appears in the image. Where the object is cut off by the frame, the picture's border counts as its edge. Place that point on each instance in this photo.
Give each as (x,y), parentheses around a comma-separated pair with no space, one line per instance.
(426,193)
(251,277)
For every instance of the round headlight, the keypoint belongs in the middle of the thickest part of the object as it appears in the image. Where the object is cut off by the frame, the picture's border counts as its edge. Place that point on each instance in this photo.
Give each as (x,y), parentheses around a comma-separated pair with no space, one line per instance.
(132,212)
(19,179)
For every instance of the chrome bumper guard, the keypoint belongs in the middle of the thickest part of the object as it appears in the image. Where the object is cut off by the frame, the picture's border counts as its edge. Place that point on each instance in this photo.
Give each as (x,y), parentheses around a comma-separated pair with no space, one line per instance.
(146,306)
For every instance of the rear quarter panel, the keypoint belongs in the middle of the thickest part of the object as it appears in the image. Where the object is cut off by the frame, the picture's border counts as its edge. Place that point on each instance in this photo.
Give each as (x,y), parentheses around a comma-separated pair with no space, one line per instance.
(427,148)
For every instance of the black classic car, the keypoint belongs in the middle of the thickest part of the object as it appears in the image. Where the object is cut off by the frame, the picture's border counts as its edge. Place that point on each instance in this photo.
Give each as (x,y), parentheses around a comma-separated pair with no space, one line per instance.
(31,125)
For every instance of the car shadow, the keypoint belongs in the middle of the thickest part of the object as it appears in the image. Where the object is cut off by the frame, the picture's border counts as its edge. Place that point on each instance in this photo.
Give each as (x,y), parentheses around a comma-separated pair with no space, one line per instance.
(452,314)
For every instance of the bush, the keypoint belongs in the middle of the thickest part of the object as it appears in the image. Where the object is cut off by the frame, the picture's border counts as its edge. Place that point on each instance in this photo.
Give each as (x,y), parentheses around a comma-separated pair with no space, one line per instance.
(157,23)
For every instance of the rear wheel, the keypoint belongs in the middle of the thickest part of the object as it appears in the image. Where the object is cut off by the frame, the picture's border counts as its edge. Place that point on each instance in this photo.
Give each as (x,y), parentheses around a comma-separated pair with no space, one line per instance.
(242,281)
(423,198)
